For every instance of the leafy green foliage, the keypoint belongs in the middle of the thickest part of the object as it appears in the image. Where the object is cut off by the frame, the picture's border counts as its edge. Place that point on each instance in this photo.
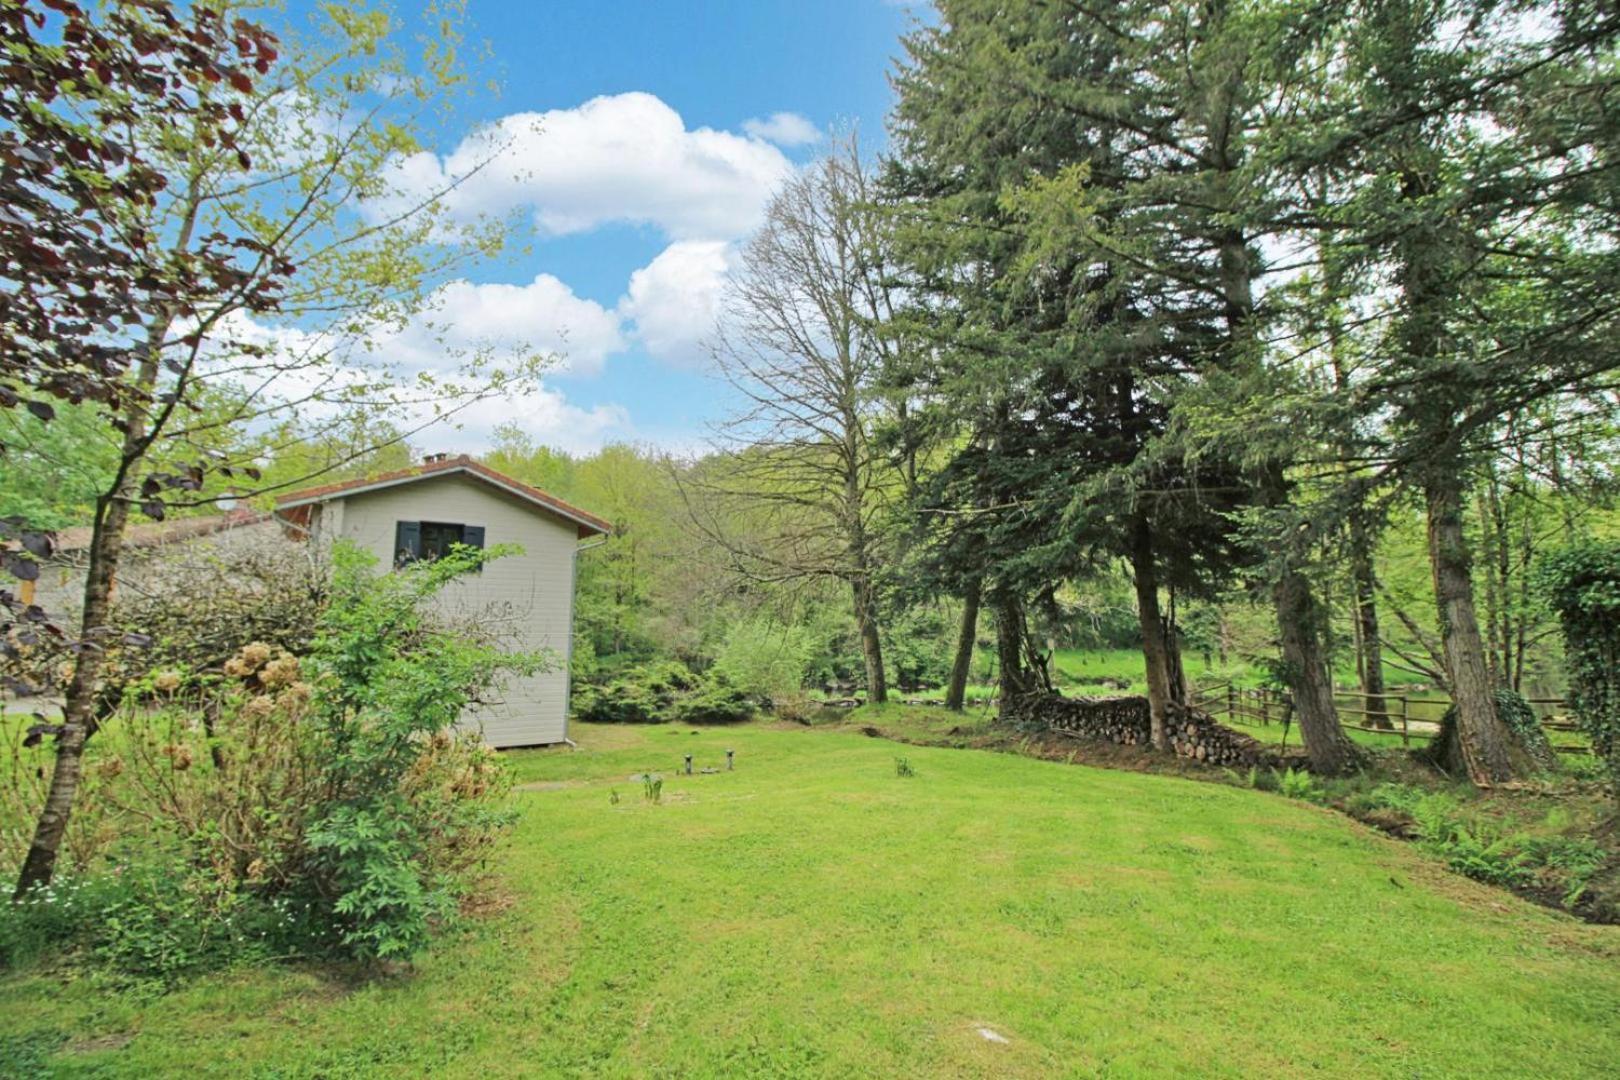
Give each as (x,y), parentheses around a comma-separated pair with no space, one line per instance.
(138,922)
(319,806)
(160,927)
(765,659)
(713,701)
(1298,784)
(63,912)
(1582,584)
(662,692)
(369,855)
(1493,850)
(643,696)
(56,469)
(390,683)
(920,647)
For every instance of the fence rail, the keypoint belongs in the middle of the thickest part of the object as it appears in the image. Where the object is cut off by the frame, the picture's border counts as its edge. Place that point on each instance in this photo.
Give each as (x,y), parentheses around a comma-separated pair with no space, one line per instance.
(1266,706)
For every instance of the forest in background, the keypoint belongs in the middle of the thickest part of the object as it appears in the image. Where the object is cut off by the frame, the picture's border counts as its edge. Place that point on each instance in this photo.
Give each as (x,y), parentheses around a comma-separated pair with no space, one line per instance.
(660,589)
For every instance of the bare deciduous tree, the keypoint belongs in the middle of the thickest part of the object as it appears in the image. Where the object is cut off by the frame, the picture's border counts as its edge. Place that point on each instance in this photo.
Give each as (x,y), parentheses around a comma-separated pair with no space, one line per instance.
(801,340)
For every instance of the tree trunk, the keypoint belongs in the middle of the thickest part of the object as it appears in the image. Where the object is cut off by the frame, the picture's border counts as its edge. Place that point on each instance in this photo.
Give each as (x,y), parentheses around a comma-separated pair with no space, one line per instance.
(1012,683)
(877,686)
(1299,628)
(1369,647)
(1153,632)
(79,705)
(1493,549)
(1175,672)
(1487,746)
(967,636)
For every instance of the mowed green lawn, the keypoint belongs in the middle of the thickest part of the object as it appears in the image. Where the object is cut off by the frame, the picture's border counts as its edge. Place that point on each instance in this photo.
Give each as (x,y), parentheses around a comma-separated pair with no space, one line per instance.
(813,914)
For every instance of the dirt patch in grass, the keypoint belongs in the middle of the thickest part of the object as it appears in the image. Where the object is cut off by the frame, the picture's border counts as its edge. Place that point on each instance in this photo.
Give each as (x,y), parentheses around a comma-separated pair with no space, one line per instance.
(99,1044)
(487,900)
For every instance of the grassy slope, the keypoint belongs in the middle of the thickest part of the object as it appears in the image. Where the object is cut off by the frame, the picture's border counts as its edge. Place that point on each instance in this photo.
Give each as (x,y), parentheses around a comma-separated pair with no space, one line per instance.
(812,913)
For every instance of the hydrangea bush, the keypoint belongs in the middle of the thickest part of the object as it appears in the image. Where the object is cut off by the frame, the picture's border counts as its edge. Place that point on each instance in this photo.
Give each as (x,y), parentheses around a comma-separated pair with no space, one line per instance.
(283,805)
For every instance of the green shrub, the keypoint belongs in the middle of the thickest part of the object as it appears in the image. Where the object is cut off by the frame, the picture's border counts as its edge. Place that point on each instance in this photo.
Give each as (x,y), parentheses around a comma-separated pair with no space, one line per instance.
(1566,862)
(1489,851)
(714,701)
(642,695)
(618,702)
(316,807)
(765,660)
(161,927)
(1581,583)
(661,692)
(368,856)
(405,801)
(1262,779)
(139,920)
(65,912)
(919,647)
(1299,785)
(1484,856)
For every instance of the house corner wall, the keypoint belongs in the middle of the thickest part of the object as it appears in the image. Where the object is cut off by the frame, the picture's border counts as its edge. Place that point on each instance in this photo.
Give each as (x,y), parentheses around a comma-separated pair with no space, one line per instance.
(526,600)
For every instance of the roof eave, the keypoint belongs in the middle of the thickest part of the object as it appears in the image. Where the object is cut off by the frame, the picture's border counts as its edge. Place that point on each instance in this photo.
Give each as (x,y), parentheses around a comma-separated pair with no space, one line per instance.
(586,526)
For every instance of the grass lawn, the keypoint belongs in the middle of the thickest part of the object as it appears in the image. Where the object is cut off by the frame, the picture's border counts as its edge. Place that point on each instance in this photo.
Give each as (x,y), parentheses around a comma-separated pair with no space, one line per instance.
(812,913)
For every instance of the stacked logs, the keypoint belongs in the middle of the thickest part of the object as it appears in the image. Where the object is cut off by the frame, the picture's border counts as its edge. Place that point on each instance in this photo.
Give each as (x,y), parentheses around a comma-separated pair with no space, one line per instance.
(1125,721)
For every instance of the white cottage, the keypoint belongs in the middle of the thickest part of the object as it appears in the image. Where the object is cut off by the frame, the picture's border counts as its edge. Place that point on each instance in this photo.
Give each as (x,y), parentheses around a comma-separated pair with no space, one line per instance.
(419,512)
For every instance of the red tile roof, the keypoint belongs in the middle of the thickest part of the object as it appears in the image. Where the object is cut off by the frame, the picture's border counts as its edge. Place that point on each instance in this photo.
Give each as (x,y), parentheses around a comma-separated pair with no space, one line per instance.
(588,523)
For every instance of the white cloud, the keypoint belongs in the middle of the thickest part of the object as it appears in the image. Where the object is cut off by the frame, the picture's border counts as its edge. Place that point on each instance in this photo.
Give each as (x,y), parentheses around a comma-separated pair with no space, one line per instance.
(783,129)
(622,158)
(672,303)
(546,415)
(504,322)
(543,316)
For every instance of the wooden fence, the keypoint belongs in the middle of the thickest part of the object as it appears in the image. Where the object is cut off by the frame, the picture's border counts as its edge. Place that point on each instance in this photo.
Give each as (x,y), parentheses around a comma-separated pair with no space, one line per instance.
(1266,706)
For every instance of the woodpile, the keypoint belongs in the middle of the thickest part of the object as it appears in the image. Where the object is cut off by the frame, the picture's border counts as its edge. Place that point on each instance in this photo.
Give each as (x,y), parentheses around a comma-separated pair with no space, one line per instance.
(1124,721)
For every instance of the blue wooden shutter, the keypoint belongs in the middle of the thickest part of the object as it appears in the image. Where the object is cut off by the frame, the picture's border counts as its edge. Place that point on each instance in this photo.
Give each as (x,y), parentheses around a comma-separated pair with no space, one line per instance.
(407,541)
(473,536)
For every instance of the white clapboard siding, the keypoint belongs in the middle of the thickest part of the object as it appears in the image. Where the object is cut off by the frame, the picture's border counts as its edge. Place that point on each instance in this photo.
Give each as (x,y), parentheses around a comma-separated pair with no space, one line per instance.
(527,598)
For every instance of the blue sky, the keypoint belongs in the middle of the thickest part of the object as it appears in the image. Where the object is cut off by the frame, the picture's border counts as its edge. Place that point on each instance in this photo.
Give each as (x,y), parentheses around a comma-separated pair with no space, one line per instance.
(641,140)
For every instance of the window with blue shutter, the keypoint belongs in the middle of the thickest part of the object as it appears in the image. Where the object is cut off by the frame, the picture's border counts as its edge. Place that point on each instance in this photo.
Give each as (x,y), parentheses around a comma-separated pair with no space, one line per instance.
(430,540)
(407,542)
